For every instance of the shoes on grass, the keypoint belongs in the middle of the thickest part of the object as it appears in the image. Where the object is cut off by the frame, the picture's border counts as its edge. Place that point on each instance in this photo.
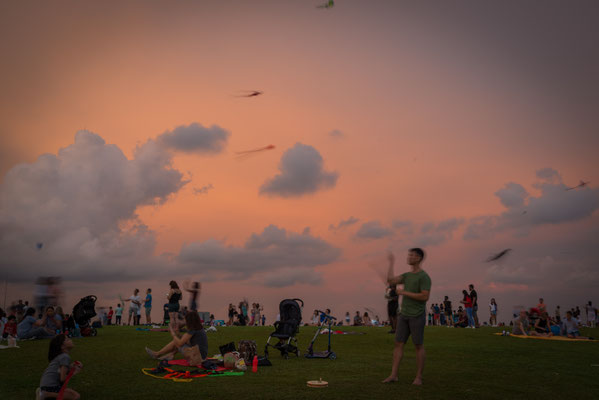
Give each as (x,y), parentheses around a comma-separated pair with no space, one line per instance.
(151,353)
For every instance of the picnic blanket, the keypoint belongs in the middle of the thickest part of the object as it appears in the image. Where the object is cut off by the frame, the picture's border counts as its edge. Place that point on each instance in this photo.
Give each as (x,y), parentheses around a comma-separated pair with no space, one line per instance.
(326,332)
(163,371)
(3,347)
(560,338)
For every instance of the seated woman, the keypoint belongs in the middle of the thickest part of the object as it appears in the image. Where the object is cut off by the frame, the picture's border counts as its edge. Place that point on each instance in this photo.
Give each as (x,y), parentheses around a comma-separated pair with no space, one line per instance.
(366,321)
(195,336)
(543,326)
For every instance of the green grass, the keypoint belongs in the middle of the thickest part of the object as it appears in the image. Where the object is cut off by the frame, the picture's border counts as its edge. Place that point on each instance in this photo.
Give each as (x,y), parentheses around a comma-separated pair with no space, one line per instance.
(461,364)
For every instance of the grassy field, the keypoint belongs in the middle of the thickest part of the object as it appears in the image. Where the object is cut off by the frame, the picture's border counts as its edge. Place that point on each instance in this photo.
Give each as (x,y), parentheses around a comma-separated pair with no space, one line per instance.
(461,364)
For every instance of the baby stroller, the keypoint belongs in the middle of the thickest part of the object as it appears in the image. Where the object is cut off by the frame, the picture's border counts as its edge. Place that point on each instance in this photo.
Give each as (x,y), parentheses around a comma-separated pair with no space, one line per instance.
(83,312)
(287,328)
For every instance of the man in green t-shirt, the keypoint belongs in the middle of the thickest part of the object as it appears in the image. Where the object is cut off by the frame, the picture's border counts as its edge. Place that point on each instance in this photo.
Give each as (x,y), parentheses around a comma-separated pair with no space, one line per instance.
(412,316)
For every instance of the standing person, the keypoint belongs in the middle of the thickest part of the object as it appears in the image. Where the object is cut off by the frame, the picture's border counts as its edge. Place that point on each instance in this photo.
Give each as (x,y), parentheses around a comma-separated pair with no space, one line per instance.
(412,316)
(57,371)
(542,306)
(173,296)
(253,314)
(437,314)
(110,314)
(493,313)
(231,313)
(558,316)
(148,306)
(591,314)
(244,310)
(467,302)
(474,298)
(263,319)
(259,310)
(119,314)
(134,306)
(577,313)
(315,318)
(447,308)
(392,306)
(348,319)
(195,289)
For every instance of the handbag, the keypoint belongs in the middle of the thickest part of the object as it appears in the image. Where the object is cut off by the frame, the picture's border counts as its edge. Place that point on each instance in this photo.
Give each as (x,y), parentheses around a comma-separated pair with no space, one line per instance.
(192,355)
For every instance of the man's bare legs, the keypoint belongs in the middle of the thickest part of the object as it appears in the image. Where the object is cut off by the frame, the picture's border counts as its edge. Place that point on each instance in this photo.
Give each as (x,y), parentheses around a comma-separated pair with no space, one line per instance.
(420,356)
(397,356)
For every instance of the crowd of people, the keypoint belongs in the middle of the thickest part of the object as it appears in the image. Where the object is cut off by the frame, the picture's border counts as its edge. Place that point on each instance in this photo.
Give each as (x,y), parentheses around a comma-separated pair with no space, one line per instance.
(242,315)
(189,338)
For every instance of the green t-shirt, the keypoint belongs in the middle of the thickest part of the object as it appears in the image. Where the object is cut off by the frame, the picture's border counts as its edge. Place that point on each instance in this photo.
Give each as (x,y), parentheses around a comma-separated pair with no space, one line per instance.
(414,283)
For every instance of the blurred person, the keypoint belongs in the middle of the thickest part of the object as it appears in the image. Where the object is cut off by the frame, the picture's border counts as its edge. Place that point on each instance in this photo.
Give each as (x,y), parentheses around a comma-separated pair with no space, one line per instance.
(195,289)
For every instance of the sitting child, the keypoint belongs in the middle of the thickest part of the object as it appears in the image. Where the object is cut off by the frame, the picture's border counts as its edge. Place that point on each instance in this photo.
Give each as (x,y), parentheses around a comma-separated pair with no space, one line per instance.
(56,373)
(195,336)
(570,327)
(10,328)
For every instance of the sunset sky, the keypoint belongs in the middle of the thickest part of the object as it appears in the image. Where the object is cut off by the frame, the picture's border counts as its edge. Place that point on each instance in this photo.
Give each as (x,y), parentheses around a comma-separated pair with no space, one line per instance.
(454,126)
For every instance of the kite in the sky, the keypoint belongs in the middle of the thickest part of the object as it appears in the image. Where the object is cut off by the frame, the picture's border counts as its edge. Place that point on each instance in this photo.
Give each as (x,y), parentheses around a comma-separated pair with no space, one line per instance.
(246,153)
(580,185)
(39,245)
(249,93)
(328,4)
(498,255)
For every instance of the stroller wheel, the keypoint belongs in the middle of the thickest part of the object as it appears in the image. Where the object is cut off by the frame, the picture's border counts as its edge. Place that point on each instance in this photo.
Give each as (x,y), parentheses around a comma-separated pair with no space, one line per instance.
(332,356)
(93,332)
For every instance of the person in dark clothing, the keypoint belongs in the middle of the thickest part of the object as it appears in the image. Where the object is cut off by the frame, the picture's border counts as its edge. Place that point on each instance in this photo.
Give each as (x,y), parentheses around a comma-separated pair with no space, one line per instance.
(174,295)
(474,297)
(392,306)
(447,308)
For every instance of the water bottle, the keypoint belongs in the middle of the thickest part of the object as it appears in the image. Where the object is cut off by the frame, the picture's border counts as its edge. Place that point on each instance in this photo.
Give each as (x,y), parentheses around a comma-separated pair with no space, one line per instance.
(255,364)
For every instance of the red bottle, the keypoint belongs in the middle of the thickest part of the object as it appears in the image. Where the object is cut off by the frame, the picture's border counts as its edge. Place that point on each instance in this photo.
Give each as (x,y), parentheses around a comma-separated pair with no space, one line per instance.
(255,364)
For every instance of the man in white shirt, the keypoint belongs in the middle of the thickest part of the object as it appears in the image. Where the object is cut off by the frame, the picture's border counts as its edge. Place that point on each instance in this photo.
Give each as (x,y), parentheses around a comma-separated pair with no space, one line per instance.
(134,307)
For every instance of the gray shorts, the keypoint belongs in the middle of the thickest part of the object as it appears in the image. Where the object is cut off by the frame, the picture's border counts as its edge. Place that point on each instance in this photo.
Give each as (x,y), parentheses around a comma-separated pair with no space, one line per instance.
(407,326)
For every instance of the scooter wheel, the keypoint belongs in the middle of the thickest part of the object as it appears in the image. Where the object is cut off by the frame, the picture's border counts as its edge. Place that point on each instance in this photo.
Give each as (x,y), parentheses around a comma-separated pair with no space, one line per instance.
(332,356)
